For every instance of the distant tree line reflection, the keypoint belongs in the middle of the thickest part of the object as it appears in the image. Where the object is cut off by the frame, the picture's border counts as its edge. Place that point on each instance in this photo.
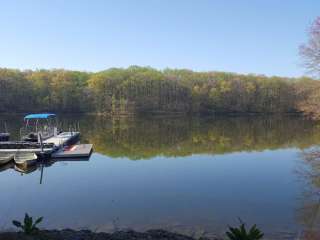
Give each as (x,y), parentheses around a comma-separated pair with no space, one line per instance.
(143,138)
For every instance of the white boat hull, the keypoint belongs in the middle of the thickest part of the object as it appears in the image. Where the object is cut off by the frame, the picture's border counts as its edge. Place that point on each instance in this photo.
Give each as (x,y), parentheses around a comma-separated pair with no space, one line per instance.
(6,158)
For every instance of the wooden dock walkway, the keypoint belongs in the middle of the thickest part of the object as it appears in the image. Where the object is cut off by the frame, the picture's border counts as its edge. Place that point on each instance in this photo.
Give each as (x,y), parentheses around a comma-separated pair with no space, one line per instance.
(74,151)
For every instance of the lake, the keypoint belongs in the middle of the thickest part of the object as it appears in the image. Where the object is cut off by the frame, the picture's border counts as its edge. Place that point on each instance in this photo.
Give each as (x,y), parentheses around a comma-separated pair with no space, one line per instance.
(191,175)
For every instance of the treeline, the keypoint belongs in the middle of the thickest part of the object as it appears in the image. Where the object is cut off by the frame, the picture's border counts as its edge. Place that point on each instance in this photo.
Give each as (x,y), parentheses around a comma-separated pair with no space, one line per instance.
(144,89)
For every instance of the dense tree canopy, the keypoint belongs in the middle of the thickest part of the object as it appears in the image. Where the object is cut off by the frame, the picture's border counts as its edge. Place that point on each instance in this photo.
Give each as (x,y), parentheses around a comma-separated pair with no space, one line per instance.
(144,89)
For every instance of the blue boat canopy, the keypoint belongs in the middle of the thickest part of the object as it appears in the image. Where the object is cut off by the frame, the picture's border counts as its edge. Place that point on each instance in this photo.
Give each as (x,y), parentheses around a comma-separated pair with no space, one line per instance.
(39,116)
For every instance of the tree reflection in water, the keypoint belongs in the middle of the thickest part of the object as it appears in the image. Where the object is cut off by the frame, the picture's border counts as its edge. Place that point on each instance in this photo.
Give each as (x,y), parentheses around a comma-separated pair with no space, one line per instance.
(144,138)
(139,138)
(309,214)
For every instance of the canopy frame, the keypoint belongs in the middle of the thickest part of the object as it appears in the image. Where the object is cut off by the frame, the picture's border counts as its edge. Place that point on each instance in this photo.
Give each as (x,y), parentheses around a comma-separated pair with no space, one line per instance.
(39,116)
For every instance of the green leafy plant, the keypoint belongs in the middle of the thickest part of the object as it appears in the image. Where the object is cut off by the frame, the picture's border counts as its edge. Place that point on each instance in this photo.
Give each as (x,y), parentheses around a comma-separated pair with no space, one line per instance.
(241,233)
(28,226)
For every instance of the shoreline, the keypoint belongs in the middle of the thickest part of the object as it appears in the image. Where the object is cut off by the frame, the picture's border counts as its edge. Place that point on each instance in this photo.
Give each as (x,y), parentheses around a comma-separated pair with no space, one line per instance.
(129,234)
(69,234)
(165,114)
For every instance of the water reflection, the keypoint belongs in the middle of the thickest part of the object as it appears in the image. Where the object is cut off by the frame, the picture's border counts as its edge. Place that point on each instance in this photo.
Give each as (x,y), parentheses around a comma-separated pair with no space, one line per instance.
(309,213)
(201,173)
(143,138)
(146,137)
(40,166)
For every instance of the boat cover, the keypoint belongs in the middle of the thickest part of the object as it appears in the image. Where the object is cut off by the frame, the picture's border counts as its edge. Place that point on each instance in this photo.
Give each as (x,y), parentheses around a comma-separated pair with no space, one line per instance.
(39,116)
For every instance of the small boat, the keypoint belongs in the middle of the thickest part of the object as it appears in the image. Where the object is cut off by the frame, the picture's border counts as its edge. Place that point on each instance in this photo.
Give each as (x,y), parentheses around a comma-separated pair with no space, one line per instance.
(44,124)
(5,158)
(40,136)
(25,158)
(6,166)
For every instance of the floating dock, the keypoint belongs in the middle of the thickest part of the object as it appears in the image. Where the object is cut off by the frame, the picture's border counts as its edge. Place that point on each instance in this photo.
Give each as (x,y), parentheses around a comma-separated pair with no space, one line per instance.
(43,141)
(48,147)
(20,146)
(64,138)
(74,151)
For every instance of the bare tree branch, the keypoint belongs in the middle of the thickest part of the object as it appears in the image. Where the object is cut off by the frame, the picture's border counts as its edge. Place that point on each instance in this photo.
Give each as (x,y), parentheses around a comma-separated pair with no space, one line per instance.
(310,51)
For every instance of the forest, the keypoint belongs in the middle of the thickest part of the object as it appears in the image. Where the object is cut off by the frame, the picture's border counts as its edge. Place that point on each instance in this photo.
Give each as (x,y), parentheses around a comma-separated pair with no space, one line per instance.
(135,90)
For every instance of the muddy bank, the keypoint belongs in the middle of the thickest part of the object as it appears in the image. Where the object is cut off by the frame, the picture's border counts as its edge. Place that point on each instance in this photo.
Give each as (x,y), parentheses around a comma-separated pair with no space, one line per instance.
(68,234)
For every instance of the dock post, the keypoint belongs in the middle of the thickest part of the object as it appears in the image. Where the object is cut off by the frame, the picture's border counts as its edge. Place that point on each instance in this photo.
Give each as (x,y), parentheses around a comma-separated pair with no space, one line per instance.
(41,143)
(41,176)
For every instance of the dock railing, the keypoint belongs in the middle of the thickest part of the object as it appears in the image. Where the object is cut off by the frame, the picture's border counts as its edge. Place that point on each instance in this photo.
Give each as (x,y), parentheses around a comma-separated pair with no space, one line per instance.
(45,131)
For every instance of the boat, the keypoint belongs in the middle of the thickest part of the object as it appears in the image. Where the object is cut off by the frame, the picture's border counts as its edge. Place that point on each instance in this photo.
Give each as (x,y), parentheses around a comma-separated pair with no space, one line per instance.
(40,135)
(6,166)
(44,124)
(25,159)
(40,138)
(6,158)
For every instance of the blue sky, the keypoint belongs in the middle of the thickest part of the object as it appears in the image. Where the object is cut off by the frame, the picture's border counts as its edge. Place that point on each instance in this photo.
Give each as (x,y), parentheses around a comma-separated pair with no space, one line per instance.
(257,36)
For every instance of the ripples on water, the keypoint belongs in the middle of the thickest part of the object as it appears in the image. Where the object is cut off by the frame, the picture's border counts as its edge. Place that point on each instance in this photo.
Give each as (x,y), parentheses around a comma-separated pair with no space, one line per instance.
(192,175)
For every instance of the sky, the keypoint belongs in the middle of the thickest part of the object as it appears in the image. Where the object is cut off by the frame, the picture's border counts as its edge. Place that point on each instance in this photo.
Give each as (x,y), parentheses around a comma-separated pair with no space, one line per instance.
(257,36)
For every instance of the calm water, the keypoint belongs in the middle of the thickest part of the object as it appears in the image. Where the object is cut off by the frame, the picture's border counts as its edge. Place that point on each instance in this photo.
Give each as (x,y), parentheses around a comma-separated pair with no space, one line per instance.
(184,174)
